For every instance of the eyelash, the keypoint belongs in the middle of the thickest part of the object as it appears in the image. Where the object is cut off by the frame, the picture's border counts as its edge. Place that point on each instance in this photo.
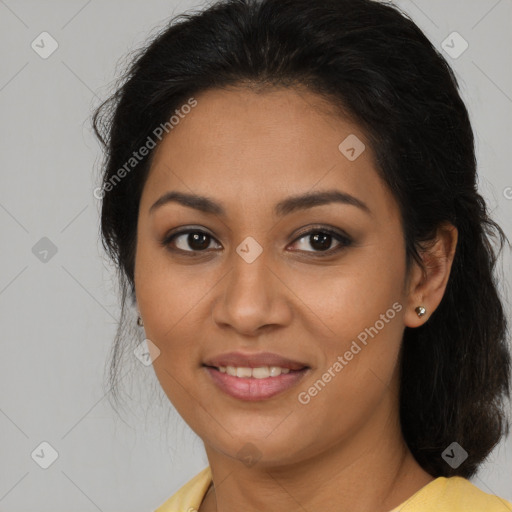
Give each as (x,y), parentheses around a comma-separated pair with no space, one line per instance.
(344,241)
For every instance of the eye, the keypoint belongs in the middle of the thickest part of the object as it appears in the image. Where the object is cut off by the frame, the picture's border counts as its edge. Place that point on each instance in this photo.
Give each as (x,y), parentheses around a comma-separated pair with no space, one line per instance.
(195,240)
(321,240)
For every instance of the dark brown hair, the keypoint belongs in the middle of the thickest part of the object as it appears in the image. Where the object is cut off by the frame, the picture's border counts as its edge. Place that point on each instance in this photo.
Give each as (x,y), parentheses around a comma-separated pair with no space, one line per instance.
(373,63)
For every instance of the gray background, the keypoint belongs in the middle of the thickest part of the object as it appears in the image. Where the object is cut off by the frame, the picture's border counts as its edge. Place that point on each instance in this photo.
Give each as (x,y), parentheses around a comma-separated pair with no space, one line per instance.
(58,316)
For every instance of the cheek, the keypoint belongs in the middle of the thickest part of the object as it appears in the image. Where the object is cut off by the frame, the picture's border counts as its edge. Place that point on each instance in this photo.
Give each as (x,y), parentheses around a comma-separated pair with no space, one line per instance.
(166,292)
(169,300)
(359,306)
(356,378)
(345,299)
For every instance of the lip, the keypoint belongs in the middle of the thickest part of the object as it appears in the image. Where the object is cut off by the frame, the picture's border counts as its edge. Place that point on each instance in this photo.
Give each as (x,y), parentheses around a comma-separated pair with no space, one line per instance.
(252,389)
(254,360)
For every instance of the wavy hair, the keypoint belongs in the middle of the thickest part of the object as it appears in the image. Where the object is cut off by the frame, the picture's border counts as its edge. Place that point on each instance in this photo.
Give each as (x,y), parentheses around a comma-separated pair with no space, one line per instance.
(377,68)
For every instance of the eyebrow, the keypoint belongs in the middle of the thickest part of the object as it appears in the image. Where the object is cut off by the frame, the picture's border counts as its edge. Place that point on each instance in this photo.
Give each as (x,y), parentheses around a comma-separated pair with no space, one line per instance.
(284,207)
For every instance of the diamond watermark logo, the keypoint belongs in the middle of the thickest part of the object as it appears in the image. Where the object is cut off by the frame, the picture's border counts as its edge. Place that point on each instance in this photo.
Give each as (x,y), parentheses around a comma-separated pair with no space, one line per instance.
(249,454)
(454,455)
(352,147)
(454,45)
(44,45)
(44,250)
(146,352)
(44,455)
(249,249)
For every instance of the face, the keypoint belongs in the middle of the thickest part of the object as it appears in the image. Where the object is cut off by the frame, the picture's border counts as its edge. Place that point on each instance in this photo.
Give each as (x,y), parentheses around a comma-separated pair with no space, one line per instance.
(319,282)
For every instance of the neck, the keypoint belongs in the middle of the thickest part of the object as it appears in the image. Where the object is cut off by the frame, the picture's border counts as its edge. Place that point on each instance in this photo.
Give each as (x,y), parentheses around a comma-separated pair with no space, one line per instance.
(354,475)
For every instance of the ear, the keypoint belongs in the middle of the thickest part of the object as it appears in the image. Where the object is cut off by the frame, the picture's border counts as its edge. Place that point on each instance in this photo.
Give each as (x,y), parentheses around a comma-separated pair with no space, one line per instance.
(426,287)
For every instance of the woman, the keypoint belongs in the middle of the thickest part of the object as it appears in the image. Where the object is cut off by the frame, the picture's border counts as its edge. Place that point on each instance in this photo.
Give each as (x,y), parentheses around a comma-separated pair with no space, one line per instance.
(290,197)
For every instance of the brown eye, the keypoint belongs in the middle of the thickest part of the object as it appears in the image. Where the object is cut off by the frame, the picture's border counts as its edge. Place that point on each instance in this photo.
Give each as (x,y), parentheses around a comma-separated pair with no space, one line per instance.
(188,241)
(321,241)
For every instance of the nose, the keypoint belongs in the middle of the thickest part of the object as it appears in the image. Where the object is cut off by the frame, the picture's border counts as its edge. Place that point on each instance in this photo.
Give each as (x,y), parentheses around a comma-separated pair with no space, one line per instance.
(252,298)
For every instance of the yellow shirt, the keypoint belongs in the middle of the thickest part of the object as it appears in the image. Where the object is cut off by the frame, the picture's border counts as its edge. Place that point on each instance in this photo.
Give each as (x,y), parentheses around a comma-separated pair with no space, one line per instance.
(454,494)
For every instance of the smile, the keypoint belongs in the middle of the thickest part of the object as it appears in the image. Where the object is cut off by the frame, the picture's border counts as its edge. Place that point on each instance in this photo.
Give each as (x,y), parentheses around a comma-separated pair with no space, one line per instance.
(254,383)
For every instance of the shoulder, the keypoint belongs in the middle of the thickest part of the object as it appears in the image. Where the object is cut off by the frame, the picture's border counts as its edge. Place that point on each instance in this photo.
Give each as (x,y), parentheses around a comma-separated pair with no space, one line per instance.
(190,495)
(453,494)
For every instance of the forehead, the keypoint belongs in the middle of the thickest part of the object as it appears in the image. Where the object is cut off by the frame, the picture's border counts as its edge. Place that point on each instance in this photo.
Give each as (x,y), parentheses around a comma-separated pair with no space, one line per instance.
(240,143)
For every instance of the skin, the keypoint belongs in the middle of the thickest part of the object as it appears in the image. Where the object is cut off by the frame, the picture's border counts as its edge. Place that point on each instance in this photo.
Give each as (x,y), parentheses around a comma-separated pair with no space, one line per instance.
(343,450)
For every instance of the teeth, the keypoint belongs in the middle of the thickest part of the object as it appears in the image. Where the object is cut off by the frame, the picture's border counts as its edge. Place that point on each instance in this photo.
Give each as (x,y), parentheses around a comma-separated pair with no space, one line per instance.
(262,372)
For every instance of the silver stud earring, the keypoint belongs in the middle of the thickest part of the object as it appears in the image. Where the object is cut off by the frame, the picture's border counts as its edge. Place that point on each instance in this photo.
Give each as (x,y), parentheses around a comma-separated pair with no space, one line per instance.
(139,321)
(420,311)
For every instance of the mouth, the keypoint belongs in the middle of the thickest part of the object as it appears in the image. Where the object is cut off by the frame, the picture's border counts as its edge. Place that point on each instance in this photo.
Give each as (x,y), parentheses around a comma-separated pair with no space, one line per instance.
(260,372)
(254,383)
(239,359)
